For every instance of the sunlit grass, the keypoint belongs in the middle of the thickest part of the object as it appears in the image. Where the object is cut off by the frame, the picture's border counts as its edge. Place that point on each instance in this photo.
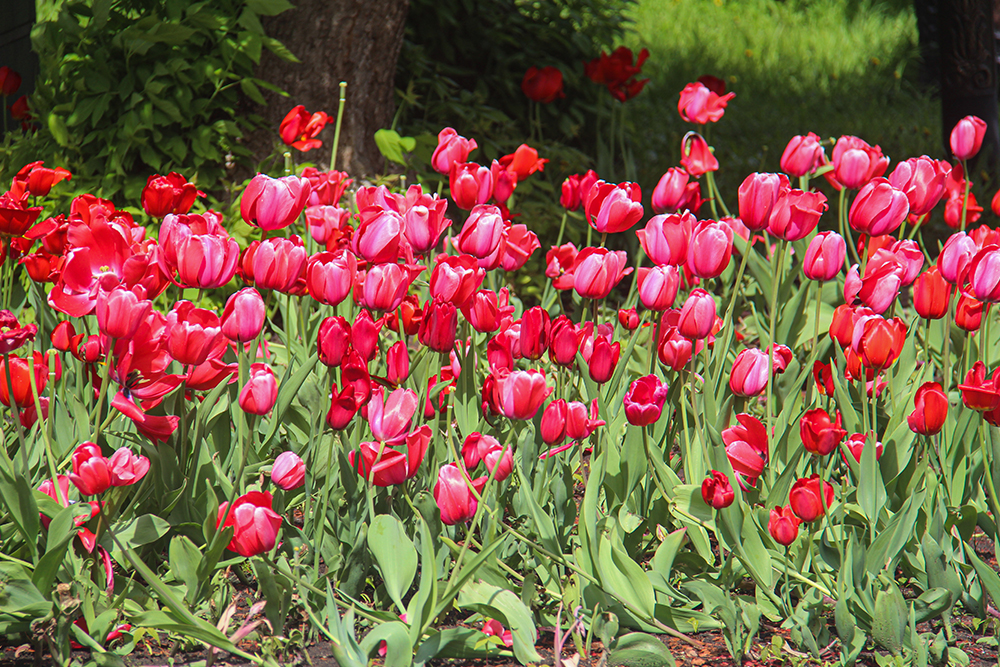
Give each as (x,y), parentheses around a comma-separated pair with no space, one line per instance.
(830,66)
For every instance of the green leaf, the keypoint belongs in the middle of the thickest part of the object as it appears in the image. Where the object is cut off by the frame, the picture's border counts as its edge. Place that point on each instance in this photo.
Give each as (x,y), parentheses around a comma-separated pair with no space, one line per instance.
(637,649)
(624,578)
(269,7)
(506,607)
(19,500)
(395,556)
(399,652)
(392,146)
(57,126)
(18,595)
(251,90)
(184,561)
(143,529)
(891,618)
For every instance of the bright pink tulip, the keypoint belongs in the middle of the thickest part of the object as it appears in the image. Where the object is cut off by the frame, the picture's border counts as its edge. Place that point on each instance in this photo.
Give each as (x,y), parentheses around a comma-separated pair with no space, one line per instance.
(390,419)
(796,214)
(255,525)
(700,105)
(564,341)
(877,289)
(855,162)
(658,286)
(425,221)
(455,279)
(967,137)
(121,311)
(644,400)
(757,195)
(276,263)
(385,285)
(364,334)
(327,186)
(613,208)
(243,316)
(377,238)
(332,341)
(665,238)
(125,468)
(521,244)
(710,249)
(676,192)
(330,276)
(717,491)
(324,221)
(803,155)
(553,426)
(485,310)
(958,251)
(260,392)
(878,209)
(483,232)
(193,334)
(581,422)
(453,497)
(91,473)
(824,258)
(274,203)
(471,185)
(288,471)
(536,327)
(696,156)
(522,393)
(747,449)
(198,250)
(697,317)
(983,274)
(855,446)
(748,376)
(598,270)
(628,318)
(922,180)
(451,149)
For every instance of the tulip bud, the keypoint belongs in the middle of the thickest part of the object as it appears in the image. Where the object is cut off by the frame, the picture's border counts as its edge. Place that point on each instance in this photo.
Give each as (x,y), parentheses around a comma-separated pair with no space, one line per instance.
(717,491)
(629,319)
(644,400)
(967,137)
(757,195)
(603,360)
(274,203)
(697,316)
(553,426)
(364,334)
(288,471)
(397,361)
(439,325)
(260,392)
(824,258)
(930,409)
(806,499)
(243,316)
(783,525)
(931,294)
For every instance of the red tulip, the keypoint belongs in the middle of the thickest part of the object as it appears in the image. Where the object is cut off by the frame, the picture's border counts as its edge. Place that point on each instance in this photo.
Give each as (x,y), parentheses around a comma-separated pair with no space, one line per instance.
(564,341)
(455,278)
(13,335)
(717,491)
(364,334)
(332,341)
(397,362)
(522,393)
(696,156)
(384,285)
(676,192)
(855,162)
(453,497)
(274,203)
(452,149)
(796,214)
(803,155)
(930,409)
(922,180)
(536,327)
(628,318)
(603,360)
(700,105)
(967,137)
(553,426)
(581,422)
(824,258)
(90,470)
(521,244)
(38,180)
(193,334)
(327,187)
(879,341)
(807,501)
(121,311)
(471,185)
(255,525)
(598,270)
(483,232)
(747,448)
(168,194)
(617,72)
(61,337)
(260,392)
(672,348)
(783,525)
(820,434)
(10,81)
(665,239)
(953,210)
(542,85)
(710,249)
(697,317)
(299,128)
(439,325)
(644,400)
(978,392)
(658,287)
(969,313)
(288,471)
(931,294)
(613,208)
(757,195)
(330,276)
(523,162)
(485,310)
(855,445)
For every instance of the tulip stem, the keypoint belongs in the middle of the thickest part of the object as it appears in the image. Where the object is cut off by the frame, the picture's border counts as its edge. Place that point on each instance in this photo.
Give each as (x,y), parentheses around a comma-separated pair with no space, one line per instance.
(946,352)
(369,491)
(819,308)
(785,594)
(845,227)
(715,195)
(727,324)
(775,282)
(105,375)
(984,342)
(965,198)
(16,413)
(336,127)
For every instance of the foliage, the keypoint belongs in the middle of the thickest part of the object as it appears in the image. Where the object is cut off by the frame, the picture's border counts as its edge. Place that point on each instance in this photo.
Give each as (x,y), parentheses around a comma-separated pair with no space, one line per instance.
(130,88)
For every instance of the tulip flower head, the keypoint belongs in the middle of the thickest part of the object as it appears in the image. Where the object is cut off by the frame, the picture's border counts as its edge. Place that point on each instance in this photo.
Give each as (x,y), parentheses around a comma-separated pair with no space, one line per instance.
(783,525)
(260,392)
(930,409)
(747,449)
(255,525)
(806,499)
(543,85)
(700,105)
(299,128)
(820,433)
(717,491)
(967,137)
(644,400)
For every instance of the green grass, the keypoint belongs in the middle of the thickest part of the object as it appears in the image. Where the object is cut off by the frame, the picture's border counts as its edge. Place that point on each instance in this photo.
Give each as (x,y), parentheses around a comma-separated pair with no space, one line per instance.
(828,66)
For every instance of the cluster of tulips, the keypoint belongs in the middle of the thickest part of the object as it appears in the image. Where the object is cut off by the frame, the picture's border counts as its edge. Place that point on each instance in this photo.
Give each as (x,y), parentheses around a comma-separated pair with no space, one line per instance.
(393,277)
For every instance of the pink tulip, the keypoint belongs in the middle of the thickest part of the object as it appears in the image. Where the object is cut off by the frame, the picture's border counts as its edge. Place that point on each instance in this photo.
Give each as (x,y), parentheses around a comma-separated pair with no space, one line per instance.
(243,316)
(613,208)
(644,400)
(255,525)
(274,203)
(757,195)
(193,334)
(276,263)
(453,497)
(483,232)
(125,468)
(330,276)
(803,155)
(710,249)
(451,149)
(676,192)
(696,156)
(983,274)
(384,286)
(967,137)
(598,270)
(922,180)
(700,105)
(658,286)
(288,471)
(747,449)
(855,162)
(665,238)
(198,250)
(697,317)
(91,473)
(824,258)
(455,278)
(260,392)
(121,311)
(522,393)
(390,419)
(378,236)
(471,185)
(878,209)
(796,213)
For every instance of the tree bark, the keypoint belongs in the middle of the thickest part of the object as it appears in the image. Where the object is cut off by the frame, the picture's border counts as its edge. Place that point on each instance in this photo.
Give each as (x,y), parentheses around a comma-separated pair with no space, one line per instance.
(357,41)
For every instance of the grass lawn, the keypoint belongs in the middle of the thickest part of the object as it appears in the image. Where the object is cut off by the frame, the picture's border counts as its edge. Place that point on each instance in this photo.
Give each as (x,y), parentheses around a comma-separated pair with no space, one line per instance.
(828,66)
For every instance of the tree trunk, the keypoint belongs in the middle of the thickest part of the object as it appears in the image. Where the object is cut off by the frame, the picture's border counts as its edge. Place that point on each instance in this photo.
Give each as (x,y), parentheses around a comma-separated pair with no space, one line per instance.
(356,41)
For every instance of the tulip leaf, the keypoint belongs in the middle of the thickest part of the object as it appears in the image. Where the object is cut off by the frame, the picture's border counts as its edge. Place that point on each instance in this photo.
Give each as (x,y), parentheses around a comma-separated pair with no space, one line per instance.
(392,146)
(399,652)
(871,490)
(395,556)
(288,390)
(638,649)
(184,561)
(891,539)
(143,529)
(890,618)
(504,606)
(624,578)
(19,500)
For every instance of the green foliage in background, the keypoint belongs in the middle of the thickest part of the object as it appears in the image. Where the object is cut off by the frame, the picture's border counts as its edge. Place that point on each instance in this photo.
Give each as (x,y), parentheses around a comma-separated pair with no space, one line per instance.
(132,87)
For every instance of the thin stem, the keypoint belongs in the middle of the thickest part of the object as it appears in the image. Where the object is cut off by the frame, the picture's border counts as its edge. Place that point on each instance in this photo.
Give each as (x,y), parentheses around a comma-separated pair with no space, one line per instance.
(727,325)
(336,127)
(105,378)
(776,280)
(15,413)
(965,198)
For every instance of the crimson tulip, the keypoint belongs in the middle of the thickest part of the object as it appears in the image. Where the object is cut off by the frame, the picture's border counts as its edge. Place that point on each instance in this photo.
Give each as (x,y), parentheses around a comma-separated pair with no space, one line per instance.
(879,341)
(536,327)
(717,491)
(564,341)
(330,276)
(522,393)
(13,335)
(455,278)
(878,288)
(260,392)
(581,421)
(967,137)
(193,334)
(676,192)
(796,213)
(452,149)
(980,392)
(806,499)
(10,81)
(397,362)
(255,525)
(90,470)
(783,525)
(274,203)
(747,449)
(598,270)
(878,209)
(930,409)
(955,205)
(969,313)
(803,155)
(628,318)
(820,434)
(700,105)
(542,85)
(644,400)
(665,239)
(757,195)
(485,310)
(553,426)
(453,497)
(326,187)
(439,325)
(364,334)
(613,208)
(603,360)
(299,128)
(696,156)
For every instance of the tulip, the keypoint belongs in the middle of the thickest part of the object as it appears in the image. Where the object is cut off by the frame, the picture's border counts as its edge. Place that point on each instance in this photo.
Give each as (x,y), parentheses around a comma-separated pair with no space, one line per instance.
(560,262)
(644,400)
(969,313)
(274,203)
(930,409)
(855,446)
(877,289)
(471,185)
(451,149)
(697,317)
(907,254)
(193,334)
(536,327)
(564,341)
(675,192)
(931,294)
(878,209)
(390,419)
(482,233)
(658,287)
(803,155)
(327,187)
(922,180)
(542,85)
(332,341)
(953,211)
(746,448)
(397,362)
(598,270)
(299,128)
(168,194)
(700,105)
(783,525)
(978,392)
(757,195)
(439,325)
(820,434)
(455,279)
(343,406)
(879,341)
(710,249)
(807,501)
(521,244)
(13,335)
(581,422)
(983,274)
(260,392)
(330,275)
(10,81)
(476,446)
(288,471)
(613,208)
(553,426)
(575,189)
(502,460)
(967,137)
(453,497)
(384,286)
(717,491)
(484,310)
(522,393)
(121,311)
(90,470)
(364,335)
(125,468)
(628,318)
(823,375)
(275,263)
(956,254)
(523,162)
(603,360)
(824,257)
(665,238)
(855,162)
(424,220)
(62,335)
(748,376)
(696,156)
(255,525)
(796,214)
